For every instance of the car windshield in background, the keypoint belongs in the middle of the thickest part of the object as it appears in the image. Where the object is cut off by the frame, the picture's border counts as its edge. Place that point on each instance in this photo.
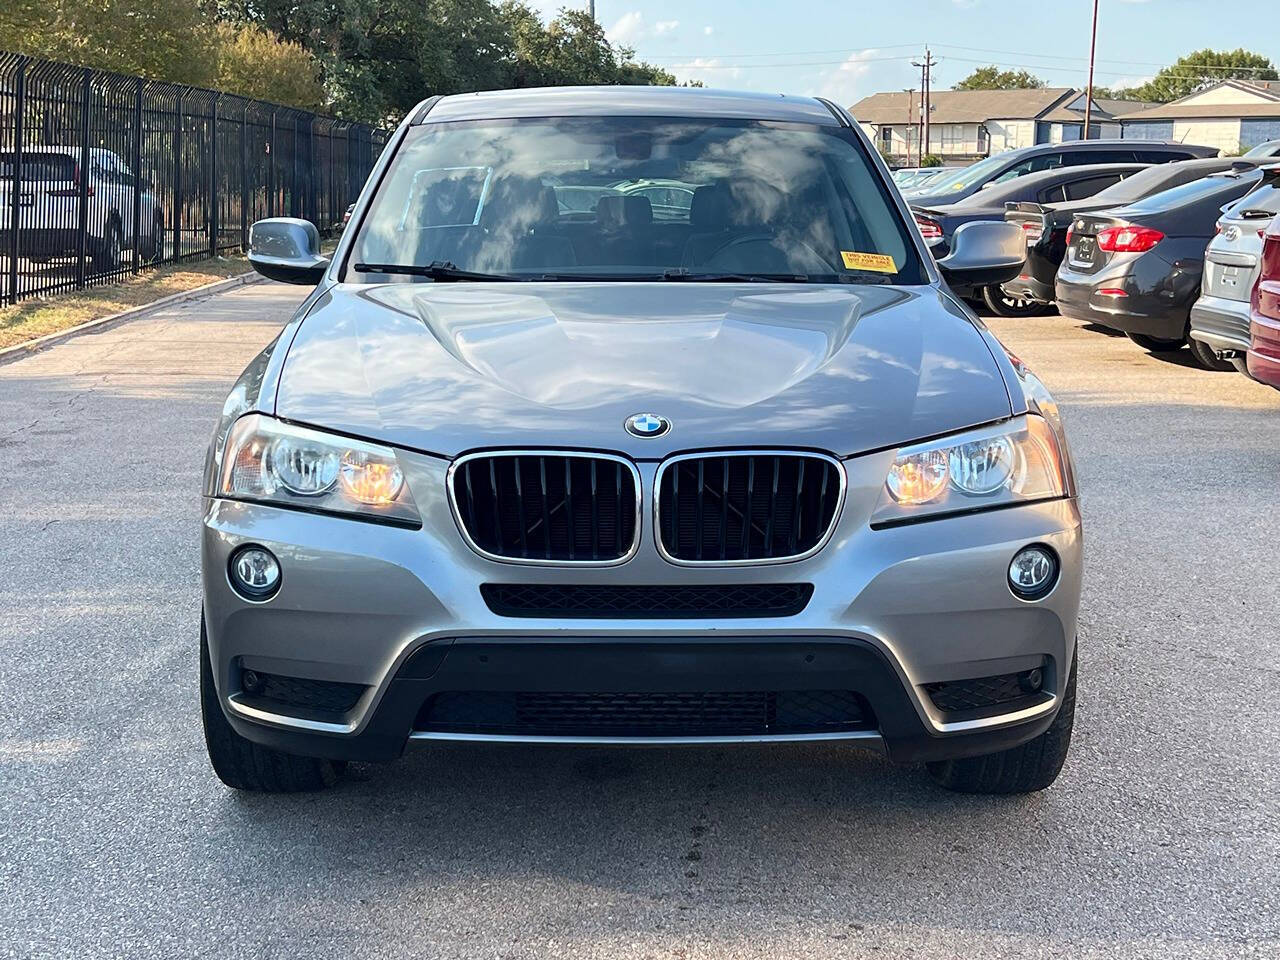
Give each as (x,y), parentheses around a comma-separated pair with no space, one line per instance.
(607,198)
(1133,188)
(980,172)
(39,166)
(1195,190)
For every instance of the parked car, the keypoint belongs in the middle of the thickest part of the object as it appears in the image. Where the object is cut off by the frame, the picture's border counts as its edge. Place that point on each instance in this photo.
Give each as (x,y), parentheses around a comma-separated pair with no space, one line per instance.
(1138,268)
(938,224)
(1046,156)
(1046,224)
(48,203)
(910,178)
(1264,151)
(620,481)
(1264,345)
(1232,262)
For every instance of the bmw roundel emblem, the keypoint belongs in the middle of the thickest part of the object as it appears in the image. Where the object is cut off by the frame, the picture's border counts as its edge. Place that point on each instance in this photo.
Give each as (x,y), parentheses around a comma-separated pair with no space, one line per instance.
(647,425)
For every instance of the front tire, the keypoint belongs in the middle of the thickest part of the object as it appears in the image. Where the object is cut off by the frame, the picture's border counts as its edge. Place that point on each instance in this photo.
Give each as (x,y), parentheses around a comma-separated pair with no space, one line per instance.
(1023,769)
(1206,358)
(1003,305)
(244,765)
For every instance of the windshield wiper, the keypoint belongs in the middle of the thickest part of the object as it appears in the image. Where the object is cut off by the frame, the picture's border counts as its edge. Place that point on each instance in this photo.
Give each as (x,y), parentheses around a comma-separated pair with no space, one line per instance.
(442,271)
(683,273)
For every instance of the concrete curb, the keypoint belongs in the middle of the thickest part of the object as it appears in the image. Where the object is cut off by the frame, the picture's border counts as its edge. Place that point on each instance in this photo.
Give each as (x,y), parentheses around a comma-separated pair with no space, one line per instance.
(20,350)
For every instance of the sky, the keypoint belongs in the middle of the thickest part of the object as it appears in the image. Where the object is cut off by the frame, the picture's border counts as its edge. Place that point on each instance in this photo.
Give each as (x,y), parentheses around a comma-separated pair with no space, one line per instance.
(848,50)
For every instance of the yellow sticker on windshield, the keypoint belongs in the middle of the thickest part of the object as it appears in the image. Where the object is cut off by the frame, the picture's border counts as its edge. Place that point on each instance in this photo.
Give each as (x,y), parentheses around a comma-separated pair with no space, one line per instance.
(877,262)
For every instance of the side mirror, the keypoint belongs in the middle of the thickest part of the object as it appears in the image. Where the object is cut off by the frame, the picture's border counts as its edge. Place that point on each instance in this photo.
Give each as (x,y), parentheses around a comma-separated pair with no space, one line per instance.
(288,250)
(983,253)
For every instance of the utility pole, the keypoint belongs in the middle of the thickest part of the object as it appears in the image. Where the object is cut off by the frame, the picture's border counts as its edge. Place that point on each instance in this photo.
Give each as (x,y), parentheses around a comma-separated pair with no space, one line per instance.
(591,9)
(1093,49)
(911,121)
(926,82)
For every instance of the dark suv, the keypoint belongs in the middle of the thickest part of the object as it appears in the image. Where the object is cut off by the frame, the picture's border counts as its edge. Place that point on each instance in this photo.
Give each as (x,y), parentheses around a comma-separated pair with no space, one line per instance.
(967,181)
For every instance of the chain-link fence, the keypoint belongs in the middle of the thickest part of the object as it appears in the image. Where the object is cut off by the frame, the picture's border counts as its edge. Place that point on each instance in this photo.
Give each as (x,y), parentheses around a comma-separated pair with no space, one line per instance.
(102,175)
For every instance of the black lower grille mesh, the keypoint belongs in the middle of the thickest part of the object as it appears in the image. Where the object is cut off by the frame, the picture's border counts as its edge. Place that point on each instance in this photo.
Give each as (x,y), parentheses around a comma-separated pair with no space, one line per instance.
(299,692)
(645,602)
(645,714)
(984,693)
(746,506)
(573,507)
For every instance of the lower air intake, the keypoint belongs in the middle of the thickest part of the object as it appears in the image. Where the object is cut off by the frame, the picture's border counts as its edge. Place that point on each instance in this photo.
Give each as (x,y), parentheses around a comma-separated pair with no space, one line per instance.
(753,713)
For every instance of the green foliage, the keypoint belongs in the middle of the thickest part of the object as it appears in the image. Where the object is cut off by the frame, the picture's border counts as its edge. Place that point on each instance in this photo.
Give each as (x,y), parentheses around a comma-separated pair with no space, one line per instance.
(366,60)
(1195,71)
(993,78)
(380,57)
(931,160)
(159,39)
(255,63)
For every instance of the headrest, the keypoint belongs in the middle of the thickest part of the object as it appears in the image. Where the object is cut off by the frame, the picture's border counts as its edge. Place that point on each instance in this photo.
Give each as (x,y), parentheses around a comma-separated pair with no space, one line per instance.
(615,211)
(719,206)
(519,203)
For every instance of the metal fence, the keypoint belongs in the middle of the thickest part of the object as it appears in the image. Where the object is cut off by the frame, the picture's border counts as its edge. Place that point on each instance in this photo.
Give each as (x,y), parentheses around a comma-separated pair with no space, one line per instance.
(102,175)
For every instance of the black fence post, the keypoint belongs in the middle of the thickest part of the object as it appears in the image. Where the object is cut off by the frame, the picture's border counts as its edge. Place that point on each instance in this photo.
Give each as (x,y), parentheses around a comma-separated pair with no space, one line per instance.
(137,177)
(177,180)
(295,195)
(271,168)
(15,206)
(213,178)
(85,168)
(244,178)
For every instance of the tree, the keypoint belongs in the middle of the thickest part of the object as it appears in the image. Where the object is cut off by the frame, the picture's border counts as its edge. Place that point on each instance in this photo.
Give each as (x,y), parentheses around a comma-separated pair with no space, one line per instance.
(1204,68)
(993,78)
(255,63)
(158,39)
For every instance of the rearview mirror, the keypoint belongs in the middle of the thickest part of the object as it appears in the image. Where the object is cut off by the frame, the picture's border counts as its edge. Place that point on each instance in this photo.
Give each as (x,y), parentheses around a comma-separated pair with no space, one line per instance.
(984,253)
(287,249)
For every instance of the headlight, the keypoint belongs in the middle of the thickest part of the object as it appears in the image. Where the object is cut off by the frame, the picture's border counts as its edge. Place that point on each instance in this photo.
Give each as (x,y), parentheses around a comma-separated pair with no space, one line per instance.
(1015,462)
(274,462)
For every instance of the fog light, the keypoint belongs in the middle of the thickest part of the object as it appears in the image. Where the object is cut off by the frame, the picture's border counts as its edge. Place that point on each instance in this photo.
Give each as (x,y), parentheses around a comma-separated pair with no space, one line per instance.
(1033,572)
(255,572)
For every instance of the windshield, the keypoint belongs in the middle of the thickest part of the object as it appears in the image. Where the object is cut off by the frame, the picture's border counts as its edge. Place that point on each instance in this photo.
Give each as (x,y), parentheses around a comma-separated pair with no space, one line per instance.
(1269,149)
(1195,190)
(979,172)
(1133,188)
(610,198)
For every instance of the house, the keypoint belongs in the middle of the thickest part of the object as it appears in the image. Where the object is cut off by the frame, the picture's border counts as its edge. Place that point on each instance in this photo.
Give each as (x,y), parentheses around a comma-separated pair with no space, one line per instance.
(1232,115)
(966,125)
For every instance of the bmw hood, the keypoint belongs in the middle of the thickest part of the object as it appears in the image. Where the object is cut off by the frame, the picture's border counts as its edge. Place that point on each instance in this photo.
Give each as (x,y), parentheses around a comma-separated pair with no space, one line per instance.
(447,368)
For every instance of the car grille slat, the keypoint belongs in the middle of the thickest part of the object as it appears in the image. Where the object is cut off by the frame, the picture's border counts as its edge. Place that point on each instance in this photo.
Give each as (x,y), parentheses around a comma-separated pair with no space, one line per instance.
(641,601)
(630,714)
(710,510)
(547,507)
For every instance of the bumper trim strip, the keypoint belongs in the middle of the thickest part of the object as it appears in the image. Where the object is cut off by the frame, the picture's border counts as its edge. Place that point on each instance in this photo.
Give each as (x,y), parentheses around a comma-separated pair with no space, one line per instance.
(646,741)
(284,720)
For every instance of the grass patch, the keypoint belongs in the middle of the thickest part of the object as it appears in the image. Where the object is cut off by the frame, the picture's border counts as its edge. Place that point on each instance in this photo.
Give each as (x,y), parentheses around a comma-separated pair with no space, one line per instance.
(37,317)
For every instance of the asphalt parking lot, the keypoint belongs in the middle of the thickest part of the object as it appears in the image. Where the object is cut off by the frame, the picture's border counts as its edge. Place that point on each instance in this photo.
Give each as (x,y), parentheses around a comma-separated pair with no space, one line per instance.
(1162,839)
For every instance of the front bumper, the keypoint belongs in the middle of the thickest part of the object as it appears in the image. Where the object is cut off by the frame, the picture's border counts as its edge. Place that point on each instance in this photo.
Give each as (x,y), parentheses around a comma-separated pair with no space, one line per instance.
(400,612)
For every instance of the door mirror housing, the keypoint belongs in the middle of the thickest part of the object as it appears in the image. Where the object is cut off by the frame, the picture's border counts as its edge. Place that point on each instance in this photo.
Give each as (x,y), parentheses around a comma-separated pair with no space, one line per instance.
(983,253)
(287,249)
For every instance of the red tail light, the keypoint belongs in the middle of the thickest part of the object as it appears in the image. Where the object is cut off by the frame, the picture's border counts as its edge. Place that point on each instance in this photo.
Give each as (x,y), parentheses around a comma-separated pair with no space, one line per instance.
(1128,239)
(1032,231)
(1070,230)
(929,229)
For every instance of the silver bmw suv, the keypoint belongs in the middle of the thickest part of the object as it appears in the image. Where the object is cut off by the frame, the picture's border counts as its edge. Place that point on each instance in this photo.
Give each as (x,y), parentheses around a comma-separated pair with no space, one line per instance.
(537,468)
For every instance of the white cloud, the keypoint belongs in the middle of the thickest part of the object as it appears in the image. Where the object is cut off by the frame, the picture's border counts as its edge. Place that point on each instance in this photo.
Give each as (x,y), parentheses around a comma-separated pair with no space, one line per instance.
(709,70)
(628,29)
(708,31)
(840,84)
